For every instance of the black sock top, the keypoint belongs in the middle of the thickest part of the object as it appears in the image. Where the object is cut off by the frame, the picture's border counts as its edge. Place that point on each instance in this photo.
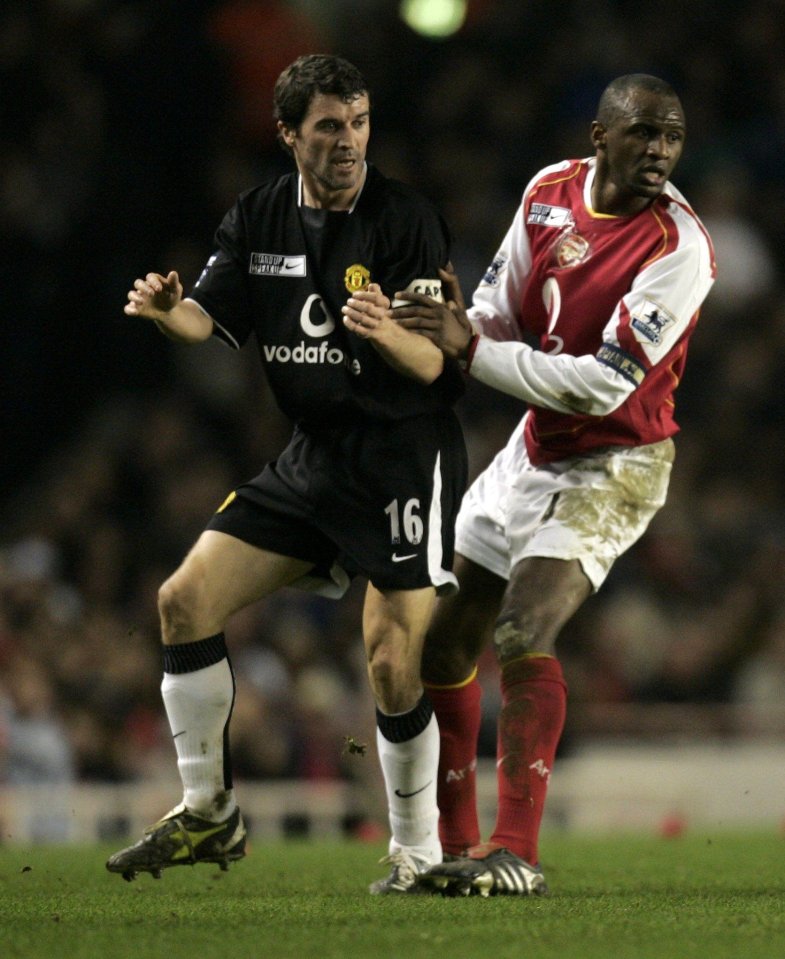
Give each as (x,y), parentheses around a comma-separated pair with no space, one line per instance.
(400,729)
(188,657)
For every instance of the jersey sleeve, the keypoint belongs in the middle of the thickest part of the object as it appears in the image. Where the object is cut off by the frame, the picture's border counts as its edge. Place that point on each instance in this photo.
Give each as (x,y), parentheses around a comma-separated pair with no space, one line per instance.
(418,246)
(664,297)
(413,262)
(496,301)
(567,384)
(645,326)
(221,290)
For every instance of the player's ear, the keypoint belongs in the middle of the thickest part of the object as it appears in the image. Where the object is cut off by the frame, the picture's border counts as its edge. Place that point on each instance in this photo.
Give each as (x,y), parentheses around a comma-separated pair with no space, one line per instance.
(287,134)
(598,134)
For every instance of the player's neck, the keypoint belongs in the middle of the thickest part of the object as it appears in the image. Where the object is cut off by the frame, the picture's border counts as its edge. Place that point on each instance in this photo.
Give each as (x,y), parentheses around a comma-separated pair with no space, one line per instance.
(609,201)
(315,194)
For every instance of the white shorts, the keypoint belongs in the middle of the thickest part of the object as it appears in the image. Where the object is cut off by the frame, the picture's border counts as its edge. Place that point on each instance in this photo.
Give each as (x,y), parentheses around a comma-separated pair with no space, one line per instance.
(591,508)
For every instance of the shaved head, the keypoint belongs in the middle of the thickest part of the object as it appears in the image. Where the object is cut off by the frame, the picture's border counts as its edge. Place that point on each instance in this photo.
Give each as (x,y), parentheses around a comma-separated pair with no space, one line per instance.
(614,102)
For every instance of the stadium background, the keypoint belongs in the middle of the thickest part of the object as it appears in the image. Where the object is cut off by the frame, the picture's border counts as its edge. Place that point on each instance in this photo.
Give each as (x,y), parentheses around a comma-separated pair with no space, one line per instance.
(127,129)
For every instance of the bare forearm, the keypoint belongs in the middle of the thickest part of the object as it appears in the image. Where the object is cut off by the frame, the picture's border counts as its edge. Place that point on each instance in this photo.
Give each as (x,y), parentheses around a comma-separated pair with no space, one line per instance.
(160,299)
(185,323)
(366,315)
(411,355)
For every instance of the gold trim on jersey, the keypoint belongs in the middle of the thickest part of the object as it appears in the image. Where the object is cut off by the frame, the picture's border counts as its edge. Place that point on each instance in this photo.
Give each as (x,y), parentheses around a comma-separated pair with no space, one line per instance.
(226,502)
(569,175)
(663,247)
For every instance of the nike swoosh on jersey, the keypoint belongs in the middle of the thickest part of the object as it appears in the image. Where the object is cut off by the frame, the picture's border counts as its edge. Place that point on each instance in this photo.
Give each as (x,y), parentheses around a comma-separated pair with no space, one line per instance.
(400,559)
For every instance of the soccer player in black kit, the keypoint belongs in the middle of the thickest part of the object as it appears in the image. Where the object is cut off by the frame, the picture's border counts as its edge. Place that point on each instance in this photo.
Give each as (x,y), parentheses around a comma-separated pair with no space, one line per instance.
(369,484)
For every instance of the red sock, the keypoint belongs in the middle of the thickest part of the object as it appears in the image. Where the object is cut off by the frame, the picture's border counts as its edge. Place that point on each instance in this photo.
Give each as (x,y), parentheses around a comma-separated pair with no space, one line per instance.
(534,704)
(458,714)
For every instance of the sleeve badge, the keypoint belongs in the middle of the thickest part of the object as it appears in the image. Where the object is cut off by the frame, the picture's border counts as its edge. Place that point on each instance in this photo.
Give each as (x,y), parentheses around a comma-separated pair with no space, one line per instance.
(649,322)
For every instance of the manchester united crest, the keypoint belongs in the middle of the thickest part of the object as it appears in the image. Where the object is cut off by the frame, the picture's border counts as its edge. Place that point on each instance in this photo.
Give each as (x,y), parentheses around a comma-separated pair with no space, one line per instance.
(357,277)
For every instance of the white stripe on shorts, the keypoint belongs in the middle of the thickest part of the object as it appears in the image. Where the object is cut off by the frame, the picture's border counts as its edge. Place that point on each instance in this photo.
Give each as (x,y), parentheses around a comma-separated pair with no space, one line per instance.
(444,581)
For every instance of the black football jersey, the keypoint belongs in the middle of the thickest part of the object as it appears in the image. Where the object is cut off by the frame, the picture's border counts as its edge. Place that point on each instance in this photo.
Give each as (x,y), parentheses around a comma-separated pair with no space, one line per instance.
(282,272)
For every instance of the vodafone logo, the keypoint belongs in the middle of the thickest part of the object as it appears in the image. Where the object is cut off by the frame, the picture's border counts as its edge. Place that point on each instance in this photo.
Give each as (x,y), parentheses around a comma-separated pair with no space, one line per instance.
(303,353)
(316,323)
(324,327)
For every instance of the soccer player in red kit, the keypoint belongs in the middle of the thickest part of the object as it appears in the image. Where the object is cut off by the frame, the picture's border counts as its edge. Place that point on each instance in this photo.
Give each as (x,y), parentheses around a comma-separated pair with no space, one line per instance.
(605,266)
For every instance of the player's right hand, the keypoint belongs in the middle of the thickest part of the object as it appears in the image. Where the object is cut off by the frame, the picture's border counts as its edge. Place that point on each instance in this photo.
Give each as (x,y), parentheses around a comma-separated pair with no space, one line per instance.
(451,290)
(154,295)
(445,324)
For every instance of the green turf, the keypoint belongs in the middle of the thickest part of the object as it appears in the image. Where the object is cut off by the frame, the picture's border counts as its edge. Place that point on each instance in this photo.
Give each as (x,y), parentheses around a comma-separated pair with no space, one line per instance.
(692,897)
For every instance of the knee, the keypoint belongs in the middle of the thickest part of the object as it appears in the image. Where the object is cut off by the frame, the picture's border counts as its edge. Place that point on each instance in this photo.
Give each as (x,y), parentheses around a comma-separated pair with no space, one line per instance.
(447,660)
(381,668)
(521,631)
(395,682)
(459,631)
(176,607)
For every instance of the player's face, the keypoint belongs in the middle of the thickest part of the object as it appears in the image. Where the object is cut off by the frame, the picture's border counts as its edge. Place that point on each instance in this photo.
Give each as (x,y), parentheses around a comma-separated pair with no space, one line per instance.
(636,154)
(329,148)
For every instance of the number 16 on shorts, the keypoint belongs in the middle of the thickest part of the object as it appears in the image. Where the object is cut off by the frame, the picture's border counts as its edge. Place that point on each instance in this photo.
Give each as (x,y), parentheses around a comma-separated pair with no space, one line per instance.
(405,524)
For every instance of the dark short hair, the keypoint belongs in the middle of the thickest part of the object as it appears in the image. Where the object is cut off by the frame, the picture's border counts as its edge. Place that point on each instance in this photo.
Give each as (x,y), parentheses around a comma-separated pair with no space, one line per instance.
(316,73)
(614,97)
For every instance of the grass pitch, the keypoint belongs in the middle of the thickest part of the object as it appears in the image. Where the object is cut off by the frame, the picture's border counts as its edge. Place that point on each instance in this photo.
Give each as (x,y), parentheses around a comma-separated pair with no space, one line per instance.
(690,897)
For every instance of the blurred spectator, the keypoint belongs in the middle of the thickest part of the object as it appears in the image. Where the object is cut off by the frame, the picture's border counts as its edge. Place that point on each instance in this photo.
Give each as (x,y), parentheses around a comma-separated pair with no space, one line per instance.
(746,276)
(126,129)
(37,748)
(260,38)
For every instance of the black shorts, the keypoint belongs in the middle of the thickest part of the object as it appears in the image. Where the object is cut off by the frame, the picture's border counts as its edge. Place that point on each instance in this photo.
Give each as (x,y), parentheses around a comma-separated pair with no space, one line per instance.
(380,501)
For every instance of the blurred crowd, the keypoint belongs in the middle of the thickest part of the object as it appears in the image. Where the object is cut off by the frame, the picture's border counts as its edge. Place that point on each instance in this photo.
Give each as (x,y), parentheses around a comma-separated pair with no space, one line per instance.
(127,128)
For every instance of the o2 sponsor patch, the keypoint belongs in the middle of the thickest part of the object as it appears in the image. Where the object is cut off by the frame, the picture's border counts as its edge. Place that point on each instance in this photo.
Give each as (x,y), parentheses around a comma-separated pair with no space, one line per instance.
(649,323)
(277,264)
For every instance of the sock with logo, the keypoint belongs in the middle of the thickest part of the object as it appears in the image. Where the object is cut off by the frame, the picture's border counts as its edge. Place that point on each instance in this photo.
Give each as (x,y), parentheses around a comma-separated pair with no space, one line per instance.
(458,714)
(408,746)
(534,704)
(198,693)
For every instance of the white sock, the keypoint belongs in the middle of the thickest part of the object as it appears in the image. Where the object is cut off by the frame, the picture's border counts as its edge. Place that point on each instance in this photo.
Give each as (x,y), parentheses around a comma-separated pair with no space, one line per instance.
(198,705)
(410,776)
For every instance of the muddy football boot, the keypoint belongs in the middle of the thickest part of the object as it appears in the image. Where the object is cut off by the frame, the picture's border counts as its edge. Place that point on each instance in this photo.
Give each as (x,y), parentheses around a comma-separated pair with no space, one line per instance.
(406,867)
(500,873)
(182,838)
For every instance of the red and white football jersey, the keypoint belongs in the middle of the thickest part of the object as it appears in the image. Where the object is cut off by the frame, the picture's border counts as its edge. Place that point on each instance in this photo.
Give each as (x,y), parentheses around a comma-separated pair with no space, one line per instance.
(612,302)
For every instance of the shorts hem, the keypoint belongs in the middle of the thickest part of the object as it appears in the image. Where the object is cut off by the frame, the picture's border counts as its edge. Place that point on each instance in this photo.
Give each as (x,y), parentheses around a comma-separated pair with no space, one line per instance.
(333,586)
(593,571)
(472,549)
